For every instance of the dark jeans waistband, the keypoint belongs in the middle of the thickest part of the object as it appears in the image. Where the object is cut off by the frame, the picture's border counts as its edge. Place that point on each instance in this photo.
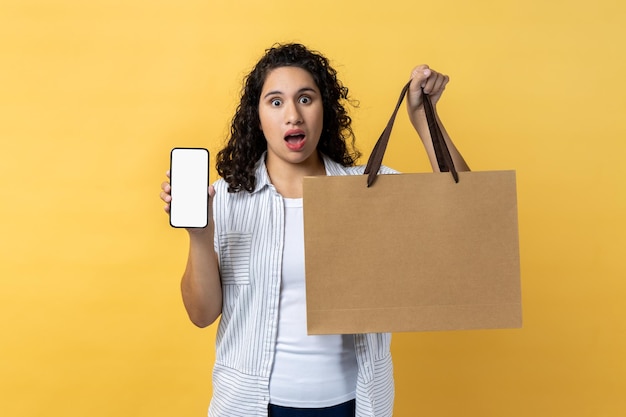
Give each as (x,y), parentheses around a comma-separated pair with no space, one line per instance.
(346,409)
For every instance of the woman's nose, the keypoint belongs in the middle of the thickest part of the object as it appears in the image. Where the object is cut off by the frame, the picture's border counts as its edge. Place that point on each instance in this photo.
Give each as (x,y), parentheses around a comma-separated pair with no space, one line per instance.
(292,114)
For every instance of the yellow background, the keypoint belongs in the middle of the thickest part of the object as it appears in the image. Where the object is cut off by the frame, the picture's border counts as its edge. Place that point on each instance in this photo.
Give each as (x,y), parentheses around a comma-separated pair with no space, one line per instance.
(94,94)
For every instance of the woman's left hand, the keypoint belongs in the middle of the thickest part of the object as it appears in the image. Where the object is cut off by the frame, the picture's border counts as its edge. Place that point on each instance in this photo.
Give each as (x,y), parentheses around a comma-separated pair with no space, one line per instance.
(431,81)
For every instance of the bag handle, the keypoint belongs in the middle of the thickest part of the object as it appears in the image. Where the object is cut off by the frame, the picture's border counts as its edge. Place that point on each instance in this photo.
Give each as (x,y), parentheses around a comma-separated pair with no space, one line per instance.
(442,153)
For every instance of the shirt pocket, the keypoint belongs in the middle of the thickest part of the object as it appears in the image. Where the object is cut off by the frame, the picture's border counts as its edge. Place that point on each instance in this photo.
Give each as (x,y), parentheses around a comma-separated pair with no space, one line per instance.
(235,249)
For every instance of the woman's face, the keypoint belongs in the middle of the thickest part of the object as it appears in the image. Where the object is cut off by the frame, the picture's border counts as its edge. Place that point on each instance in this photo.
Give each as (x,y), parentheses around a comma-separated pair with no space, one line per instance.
(291,115)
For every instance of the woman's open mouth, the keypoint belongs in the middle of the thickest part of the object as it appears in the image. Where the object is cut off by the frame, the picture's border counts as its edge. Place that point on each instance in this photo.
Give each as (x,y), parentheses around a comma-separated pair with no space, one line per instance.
(295,139)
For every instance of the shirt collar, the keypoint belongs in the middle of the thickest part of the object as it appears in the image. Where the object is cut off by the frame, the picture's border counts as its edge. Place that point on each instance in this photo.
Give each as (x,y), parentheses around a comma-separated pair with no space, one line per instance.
(263,179)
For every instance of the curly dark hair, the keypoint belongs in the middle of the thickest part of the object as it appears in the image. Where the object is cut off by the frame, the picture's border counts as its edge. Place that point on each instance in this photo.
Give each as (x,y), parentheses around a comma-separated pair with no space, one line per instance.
(236,162)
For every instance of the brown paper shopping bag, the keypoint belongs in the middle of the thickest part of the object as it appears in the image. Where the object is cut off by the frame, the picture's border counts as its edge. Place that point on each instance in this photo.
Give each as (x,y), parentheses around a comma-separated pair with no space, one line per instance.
(412,252)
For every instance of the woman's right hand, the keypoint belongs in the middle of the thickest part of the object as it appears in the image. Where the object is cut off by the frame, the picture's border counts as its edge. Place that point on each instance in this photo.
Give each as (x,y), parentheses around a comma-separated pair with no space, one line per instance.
(166,196)
(166,193)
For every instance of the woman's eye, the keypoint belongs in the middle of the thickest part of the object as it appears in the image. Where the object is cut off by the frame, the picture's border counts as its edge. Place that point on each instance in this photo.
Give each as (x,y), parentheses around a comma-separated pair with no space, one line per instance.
(275,102)
(305,100)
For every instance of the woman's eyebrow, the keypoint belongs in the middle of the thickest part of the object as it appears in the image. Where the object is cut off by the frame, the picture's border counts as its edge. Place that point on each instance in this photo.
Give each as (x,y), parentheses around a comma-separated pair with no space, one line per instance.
(273,92)
(300,91)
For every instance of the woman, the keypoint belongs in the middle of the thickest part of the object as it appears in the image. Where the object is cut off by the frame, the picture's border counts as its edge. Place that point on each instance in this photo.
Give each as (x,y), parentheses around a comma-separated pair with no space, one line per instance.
(248,264)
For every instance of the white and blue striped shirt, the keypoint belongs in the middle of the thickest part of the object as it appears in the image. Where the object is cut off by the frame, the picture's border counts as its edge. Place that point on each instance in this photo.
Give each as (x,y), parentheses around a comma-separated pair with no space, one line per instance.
(249,236)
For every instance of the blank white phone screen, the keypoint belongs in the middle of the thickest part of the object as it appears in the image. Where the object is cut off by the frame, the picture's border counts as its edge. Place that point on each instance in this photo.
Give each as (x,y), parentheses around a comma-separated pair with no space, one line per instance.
(189,179)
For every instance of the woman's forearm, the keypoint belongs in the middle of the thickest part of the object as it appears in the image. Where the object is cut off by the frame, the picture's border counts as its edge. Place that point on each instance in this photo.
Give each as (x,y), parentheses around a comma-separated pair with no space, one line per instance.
(421,126)
(201,286)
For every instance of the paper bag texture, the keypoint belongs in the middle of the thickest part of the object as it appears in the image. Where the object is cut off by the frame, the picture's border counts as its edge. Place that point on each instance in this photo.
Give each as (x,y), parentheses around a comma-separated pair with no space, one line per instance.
(414,252)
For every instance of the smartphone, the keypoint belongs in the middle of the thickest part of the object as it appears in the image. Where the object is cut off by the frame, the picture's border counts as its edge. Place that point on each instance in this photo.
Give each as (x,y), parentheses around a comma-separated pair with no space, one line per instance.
(189,179)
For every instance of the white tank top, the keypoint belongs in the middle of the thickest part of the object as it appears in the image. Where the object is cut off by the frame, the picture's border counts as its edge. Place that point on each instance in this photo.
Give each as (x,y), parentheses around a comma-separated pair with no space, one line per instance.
(309,371)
